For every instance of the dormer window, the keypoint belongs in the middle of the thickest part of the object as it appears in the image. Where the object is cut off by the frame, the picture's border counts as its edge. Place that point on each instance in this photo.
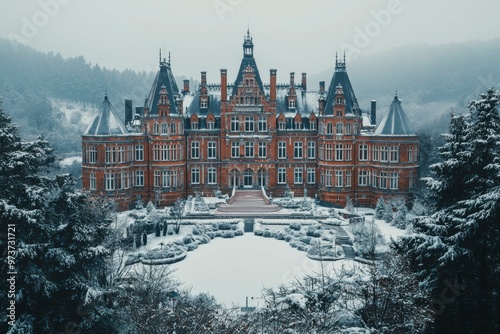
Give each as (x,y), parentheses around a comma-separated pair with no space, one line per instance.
(281,125)
(291,104)
(312,125)
(194,125)
(204,103)
(210,125)
(340,100)
(298,125)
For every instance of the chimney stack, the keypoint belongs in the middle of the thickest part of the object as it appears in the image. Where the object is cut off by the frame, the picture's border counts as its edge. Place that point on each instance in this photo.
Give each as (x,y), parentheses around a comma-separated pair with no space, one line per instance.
(223,84)
(128,111)
(203,78)
(272,89)
(186,87)
(304,81)
(292,78)
(373,112)
(322,87)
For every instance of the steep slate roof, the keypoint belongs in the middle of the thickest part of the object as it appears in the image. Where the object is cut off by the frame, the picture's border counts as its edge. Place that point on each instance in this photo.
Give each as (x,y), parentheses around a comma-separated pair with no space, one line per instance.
(106,122)
(395,122)
(213,104)
(248,60)
(163,77)
(306,102)
(340,77)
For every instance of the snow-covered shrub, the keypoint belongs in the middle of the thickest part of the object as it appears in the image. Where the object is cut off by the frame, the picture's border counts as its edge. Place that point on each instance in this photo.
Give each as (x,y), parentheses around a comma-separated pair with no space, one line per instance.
(238,232)
(170,230)
(367,238)
(224,226)
(380,208)
(196,231)
(400,217)
(137,215)
(313,232)
(306,240)
(267,234)
(419,209)
(150,207)
(333,213)
(258,232)
(305,205)
(227,234)
(188,239)
(192,246)
(139,205)
(288,192)
(211,234)
(288,237)
(349,207)
(295,226)
(169,254)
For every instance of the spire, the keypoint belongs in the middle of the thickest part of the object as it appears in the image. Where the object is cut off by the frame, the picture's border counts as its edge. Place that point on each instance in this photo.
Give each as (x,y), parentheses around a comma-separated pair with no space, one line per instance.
(159,61)
(248,45)
(339,65)
(168,58)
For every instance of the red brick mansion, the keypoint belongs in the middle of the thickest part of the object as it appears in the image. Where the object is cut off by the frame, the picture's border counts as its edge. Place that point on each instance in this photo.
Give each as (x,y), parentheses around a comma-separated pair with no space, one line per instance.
(249,135)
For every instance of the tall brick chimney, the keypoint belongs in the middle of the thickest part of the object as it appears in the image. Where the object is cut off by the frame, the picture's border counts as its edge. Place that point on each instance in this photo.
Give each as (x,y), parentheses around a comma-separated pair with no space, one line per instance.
(128,111)
(223,84)
(322,87)
(186,87)
(272,89)
(304,81)
(203,78)
(292,78)
(373,112)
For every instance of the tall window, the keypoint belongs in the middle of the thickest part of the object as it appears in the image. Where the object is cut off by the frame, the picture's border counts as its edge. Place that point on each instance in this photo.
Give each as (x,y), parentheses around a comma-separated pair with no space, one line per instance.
(164,128)
(165,152)
(174,178)
(212,150)
(139,152)
(235,124)
(249,124)
(363,178)
(157,178)
(298,125)
(329,152)
(210,125)
(291,104)
(93,182)
(123,180)
(281,150)
(410,153)
(212,175)
(166,178)
(312,125)
(281,175)
(204,103)
(156,128)
(383,153)
(311,175)
(195,150)
(329,128)
(249,149)
(311,150)
(375,179)
(348,152)
(262,149)
(375,153)
(121,154)
(394,180)
(194,125)
(363,152)
(262,124)
(297,175)
(173,128)
(110,154)
(348,129)
(348,178)
(297,151)
(91,154)
(235,149)
(383,180)
(139,178)
(339,178)
(282,125)
(110,181)
(411,181)
(339,128)
(328,178)
(394,154)
(339,152)
(195,176)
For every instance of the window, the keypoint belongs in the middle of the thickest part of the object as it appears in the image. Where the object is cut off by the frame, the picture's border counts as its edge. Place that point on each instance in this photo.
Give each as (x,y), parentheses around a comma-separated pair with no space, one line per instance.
(321,152)
(262,124)
(394,180)
(204,103)
(394,154)
(281,175)
(249,149)
(281,125)
(297,151)
(156,128)
(339,178)
(363,152)
(165,152)
(210,125)
(165,179)
(123,180)
(139,178)
(383,153)
(139,153)
(195,150)
(235,149)
(375,180)
(164,128)
(348,129)
(339,100)
(375,153)
(91,154)
(262,149)
(339,128)
(121,154)
(248,124)
(410,154)
(212,175)
(321,128)
(194,125)
(348,152)
(92,181)
(173,128)
(311,150)
(328,178)
(383,180)
(291,104)
(174,178)
(110,154)
(157,178)
(339,152)
(235,124)
(281,150)
(195,176)
(312,125)
(110,181)
(329,152)
(348,178)
(212,150)
(363,178)
(329,128)
(297,175)
(411,181)
(311,175)
(298,125)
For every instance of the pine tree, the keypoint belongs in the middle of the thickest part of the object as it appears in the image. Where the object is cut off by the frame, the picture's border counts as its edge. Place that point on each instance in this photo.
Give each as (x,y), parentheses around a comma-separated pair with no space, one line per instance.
(457,249)
(380,208)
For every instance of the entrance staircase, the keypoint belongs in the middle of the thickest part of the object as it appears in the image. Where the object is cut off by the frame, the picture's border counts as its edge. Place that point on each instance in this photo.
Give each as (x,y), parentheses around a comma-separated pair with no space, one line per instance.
(248,202)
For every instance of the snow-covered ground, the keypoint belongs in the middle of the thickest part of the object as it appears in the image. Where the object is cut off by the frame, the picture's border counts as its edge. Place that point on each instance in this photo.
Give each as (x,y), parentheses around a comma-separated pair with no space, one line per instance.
(233,269)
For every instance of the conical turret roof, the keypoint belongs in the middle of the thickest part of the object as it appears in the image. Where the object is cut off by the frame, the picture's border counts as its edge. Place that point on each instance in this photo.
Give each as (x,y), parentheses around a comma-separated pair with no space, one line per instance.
(106,121)
(395,122)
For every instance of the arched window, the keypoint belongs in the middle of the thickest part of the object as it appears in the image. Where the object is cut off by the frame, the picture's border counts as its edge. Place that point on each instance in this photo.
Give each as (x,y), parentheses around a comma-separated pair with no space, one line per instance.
(156,128)
(172,128)
(339,128)
(329,128)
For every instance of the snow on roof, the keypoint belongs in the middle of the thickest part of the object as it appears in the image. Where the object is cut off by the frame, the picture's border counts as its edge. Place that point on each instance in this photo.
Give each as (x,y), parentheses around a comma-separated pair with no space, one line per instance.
(106,122)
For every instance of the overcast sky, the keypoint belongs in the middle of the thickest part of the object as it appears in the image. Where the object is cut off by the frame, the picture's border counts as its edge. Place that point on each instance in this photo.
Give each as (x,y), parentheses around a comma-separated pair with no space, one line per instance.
(300,36)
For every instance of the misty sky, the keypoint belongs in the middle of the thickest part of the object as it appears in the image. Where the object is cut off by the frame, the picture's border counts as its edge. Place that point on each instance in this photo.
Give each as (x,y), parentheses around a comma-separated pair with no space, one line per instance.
(300,36)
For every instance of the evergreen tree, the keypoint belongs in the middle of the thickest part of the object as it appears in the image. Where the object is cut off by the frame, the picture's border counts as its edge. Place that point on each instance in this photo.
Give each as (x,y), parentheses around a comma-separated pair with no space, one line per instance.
(59,236)
(457,249)
(380,208)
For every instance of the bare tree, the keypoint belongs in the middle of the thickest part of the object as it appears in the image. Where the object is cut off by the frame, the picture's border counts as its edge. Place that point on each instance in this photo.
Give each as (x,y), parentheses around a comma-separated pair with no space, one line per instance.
(177,213)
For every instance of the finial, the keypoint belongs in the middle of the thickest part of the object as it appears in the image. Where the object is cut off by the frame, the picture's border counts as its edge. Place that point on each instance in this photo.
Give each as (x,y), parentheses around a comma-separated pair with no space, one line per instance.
(160,56)
(168,57)
(344,57)
(336,58)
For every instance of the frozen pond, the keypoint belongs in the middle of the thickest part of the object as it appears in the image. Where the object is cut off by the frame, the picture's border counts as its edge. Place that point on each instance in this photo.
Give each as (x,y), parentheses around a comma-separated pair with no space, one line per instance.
(232,269)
